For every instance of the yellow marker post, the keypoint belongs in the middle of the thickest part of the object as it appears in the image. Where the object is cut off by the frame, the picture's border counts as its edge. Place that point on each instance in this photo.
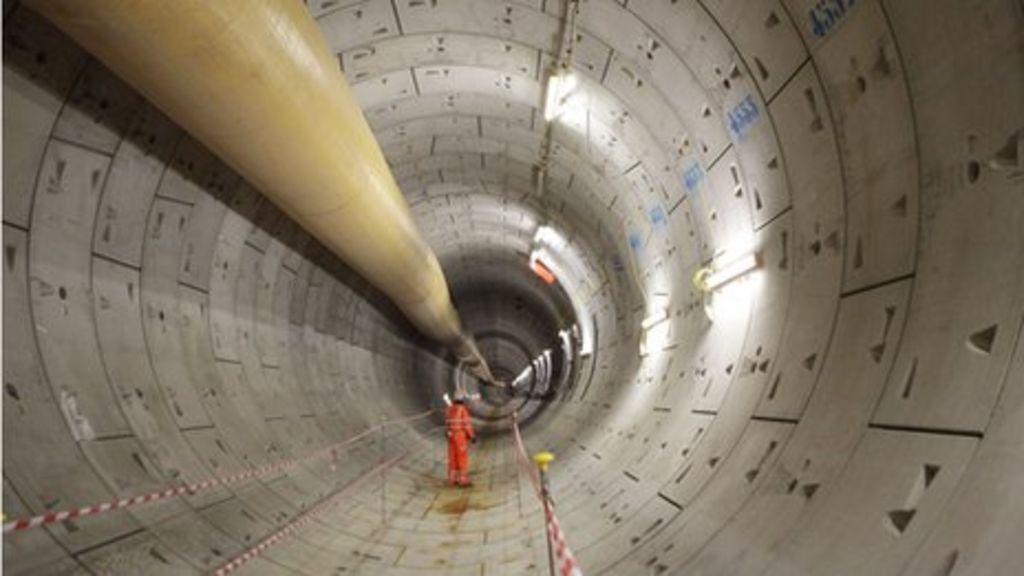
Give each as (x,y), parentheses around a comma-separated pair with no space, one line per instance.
(542,460)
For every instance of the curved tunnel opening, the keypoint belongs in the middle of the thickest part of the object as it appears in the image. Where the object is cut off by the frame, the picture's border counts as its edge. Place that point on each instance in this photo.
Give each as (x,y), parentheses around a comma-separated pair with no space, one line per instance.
(782,332)
(515,317)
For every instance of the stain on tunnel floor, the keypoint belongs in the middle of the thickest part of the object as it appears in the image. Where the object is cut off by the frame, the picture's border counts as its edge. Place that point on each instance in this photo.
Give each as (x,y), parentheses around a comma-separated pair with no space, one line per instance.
(493,527)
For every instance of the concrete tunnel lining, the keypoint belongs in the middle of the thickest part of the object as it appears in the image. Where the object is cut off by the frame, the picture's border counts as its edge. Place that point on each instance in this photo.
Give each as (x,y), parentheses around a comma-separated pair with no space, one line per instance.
(855,407)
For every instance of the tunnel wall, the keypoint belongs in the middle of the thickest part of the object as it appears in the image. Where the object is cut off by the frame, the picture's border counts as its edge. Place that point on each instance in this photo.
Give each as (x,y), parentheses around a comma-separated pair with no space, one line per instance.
(163,324)
(856,407)
(847,423)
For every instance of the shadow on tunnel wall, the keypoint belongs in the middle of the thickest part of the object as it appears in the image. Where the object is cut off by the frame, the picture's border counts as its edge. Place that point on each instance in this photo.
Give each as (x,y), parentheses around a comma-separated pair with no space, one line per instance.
(98,96)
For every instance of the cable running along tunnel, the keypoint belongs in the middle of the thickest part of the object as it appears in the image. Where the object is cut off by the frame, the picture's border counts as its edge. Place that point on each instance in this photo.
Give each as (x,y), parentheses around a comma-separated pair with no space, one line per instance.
(752,270)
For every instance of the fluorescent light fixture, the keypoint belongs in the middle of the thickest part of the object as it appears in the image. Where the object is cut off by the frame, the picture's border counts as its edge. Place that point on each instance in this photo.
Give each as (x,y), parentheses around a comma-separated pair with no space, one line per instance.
(654,340)
(559,87)
(654,319)
(548,236)
(656,332)
(732,270)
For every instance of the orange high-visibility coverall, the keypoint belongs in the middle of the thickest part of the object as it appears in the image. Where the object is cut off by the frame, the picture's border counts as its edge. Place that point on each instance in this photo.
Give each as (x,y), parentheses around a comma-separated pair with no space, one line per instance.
(460,433)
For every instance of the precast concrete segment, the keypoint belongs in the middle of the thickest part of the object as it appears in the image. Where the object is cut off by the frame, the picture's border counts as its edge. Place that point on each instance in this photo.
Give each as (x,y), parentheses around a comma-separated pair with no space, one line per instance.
(202,485)
(268,82)
(318,510)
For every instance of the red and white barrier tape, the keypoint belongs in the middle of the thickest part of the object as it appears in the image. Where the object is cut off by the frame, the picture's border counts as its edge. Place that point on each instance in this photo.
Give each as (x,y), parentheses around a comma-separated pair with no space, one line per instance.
(564,559)
(302,520)
(566,562)
(29,522)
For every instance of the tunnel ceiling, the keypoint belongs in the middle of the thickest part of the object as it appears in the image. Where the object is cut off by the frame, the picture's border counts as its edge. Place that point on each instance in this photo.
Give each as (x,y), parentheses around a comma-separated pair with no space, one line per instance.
(853,405)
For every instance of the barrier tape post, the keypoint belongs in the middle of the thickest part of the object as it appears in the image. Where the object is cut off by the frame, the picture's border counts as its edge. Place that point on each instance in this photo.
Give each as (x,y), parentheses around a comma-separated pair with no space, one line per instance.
(542,459)
(564,562)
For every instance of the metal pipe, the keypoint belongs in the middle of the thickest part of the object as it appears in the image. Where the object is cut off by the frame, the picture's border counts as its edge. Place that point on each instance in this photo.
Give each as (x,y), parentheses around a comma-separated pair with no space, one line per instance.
(256,83)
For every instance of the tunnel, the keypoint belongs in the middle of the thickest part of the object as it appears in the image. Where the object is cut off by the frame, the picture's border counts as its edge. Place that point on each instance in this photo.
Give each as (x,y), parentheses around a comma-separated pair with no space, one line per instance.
(752,271)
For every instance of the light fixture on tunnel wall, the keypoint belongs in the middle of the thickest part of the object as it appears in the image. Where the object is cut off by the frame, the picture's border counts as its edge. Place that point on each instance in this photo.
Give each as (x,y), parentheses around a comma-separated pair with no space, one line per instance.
(655,331)
(545,237)
(732,265)
(564,260)
(559,87)
(548,236)
(658,317)
(727,268)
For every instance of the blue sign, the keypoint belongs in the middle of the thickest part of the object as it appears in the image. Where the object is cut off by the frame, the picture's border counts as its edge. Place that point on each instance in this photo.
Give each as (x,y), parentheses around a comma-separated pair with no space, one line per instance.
(743,115)
(693,176)
(636,242)
(826,14)
(657,215)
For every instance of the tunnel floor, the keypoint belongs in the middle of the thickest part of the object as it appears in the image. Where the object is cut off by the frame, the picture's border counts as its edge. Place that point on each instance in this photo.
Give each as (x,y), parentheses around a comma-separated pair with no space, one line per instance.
(407,520)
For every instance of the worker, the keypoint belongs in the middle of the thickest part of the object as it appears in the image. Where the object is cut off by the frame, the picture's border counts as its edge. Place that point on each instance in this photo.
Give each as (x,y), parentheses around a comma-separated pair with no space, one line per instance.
(460,434)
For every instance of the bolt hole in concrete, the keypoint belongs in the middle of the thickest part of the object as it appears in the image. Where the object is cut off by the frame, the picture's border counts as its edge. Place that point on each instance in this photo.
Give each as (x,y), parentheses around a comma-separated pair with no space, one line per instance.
(973,171)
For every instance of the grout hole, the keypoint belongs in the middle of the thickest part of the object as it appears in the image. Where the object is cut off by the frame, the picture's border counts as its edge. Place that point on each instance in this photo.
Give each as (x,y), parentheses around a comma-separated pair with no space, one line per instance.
(138,461)
(809,490)
(908,382)
(973,171)
(899,520)
(775,386)
(761,70)
(982,341)
(877,351)
(158,556)
(949,564)
(899,208)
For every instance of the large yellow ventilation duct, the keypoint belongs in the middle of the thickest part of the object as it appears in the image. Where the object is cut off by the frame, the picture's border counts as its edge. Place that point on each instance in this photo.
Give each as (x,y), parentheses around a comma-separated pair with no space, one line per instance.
(256,83)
